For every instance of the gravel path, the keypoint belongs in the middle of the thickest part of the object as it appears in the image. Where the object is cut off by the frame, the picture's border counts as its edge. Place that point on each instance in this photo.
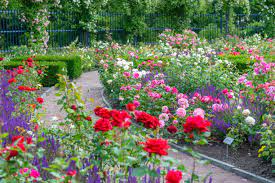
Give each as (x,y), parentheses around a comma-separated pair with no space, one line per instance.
(91,88)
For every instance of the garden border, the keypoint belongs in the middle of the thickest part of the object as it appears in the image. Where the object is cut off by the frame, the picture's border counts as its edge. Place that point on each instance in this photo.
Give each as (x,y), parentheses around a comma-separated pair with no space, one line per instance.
(221,164)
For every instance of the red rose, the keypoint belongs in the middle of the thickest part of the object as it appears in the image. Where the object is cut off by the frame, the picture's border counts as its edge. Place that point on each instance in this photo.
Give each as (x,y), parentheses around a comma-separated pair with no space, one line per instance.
(73,107)
(40,100)
(17,144)
(102,112)
(71,173)
(130,107)
(29,60)
(173,176)
(88,118)
(196,123)
(30,64)
(36,127)
(39,72)
(20,71)
(11,151)
(1,58)
(103,125)
(121,119)
(12,80)
(157,146)
(172,129)
(148,120)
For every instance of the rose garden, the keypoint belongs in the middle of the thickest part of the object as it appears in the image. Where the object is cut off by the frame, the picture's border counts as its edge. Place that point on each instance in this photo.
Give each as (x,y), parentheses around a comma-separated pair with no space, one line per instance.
(189,105)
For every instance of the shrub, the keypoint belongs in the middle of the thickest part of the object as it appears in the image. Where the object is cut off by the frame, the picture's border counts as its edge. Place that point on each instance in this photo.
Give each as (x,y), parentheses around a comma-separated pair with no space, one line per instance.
(73,63)
(51,71)
(243,62)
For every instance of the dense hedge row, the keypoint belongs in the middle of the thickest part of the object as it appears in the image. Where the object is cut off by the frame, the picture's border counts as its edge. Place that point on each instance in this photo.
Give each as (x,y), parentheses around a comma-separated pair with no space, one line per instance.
(73,63)
(51,71)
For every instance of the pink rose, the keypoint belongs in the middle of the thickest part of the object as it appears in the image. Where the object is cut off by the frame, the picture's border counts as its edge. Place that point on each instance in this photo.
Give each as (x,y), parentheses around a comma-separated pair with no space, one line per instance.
(181,112)
(34,173)
(199,112)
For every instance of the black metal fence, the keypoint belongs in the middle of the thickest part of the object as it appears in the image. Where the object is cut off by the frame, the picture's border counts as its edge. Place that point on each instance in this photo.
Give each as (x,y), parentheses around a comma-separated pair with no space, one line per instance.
(63,28)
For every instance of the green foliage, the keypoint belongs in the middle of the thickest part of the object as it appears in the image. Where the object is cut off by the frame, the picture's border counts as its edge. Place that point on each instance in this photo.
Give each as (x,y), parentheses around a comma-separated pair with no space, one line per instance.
(51,71)
(73,63)
(243,63)
(211,31)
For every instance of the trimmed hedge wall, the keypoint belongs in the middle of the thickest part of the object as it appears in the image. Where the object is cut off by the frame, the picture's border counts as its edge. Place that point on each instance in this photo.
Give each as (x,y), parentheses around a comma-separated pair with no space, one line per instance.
(53,68)
(73,63)
(243,62)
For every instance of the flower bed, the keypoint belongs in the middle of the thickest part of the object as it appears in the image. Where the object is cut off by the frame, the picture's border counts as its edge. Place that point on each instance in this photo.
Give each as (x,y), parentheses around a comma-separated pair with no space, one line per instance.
(77,149)
(185,83)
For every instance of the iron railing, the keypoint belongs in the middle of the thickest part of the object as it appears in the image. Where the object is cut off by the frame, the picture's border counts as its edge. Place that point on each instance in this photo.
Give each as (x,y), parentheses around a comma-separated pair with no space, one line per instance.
(63,28)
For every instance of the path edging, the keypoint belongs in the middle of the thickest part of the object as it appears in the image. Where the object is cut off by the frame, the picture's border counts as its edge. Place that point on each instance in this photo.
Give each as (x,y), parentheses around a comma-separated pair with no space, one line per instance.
(221,164)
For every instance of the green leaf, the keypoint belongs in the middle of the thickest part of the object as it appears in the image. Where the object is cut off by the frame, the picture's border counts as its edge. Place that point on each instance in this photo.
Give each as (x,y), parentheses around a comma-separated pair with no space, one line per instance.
(139,172)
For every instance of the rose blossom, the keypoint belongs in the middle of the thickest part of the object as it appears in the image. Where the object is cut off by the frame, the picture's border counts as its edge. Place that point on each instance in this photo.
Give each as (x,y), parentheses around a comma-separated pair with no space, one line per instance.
(181,112)
(246,112)
(136,103)
(103,125)
(34,173)
(165,109)
(183,103)
(161,123)
(156,146)
(164,117)
(173,176)
(250,120)
(199,112)
(172,129)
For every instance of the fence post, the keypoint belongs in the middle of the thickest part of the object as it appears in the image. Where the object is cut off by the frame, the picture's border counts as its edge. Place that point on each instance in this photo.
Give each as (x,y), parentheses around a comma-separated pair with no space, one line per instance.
(221,23)
(135,40)
(227,21)
(88,39)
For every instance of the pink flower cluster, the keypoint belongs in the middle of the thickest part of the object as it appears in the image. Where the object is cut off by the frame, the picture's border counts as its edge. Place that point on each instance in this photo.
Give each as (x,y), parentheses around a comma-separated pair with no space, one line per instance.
(263,67)
(154,95)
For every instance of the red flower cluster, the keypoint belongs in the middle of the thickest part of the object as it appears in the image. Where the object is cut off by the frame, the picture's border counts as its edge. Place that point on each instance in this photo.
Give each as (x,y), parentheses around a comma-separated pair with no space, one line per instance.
(102,112)
(173,176)
(40,100)
(157,146)
(172,129)
(196,123)
(17,144)
(26,88)
(148,120)
(103,125)
(120,119)
(12,80)
(130,107)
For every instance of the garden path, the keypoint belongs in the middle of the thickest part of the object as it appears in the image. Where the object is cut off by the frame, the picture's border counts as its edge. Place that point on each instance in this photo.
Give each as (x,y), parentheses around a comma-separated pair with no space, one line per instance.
(91,88)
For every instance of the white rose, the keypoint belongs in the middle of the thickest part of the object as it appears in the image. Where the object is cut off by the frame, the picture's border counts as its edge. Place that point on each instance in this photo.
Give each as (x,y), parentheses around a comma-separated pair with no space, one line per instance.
(249,120)
(126,67)
(101,61)
(246,112)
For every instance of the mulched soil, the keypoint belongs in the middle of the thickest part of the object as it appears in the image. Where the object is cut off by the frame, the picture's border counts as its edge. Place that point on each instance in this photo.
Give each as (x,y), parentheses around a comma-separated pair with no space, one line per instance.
(245,157)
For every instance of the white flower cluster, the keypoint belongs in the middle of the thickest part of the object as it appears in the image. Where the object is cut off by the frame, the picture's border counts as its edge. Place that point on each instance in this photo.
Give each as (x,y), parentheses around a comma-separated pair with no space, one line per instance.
(141,73)
(124,64)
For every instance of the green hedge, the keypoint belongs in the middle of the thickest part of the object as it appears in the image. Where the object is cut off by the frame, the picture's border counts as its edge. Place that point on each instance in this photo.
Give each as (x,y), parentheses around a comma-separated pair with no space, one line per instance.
(243,62)
(51,71)
(73,63)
